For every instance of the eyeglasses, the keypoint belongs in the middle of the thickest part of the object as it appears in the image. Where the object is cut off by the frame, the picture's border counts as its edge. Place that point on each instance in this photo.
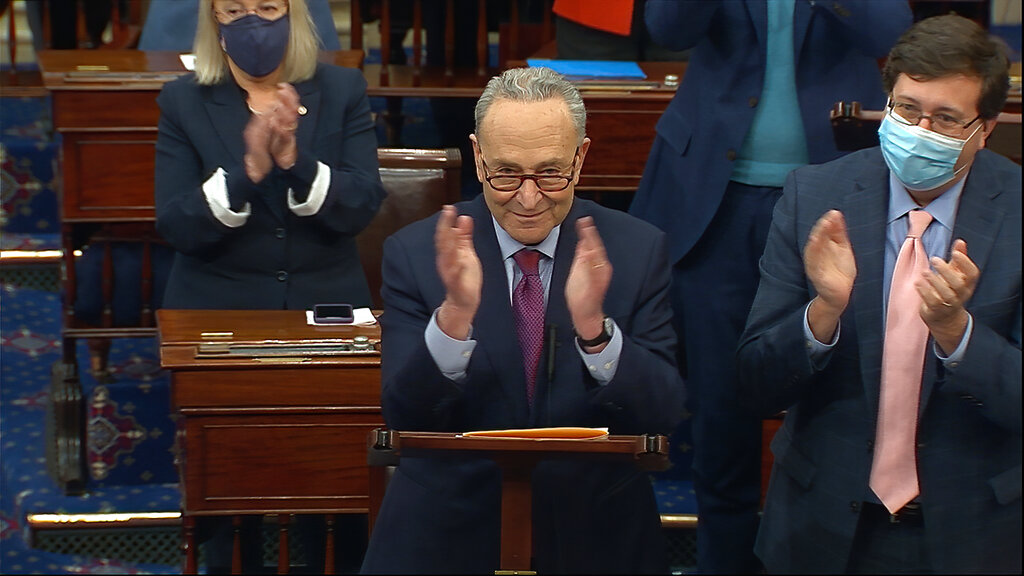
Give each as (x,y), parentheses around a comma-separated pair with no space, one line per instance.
(546,182)
(265,10)
(911,115)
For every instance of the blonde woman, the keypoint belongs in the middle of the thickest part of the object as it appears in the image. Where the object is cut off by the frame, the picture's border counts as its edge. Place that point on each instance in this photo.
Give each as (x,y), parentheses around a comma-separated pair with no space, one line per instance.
(266,165)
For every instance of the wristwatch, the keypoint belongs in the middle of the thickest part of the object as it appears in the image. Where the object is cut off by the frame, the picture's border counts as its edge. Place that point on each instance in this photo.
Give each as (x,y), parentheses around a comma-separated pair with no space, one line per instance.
(607,329)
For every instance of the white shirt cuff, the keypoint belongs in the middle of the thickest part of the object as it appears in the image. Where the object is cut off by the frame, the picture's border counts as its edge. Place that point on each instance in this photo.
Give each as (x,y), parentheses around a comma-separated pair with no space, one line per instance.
(216,191)
(953,359)
(451,355)
(602,366)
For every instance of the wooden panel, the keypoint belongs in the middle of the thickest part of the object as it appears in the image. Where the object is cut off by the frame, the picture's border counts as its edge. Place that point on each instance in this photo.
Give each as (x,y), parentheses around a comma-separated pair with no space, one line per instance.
(275,464)
(278,387)
(95,190)
(107,110)
(622,132)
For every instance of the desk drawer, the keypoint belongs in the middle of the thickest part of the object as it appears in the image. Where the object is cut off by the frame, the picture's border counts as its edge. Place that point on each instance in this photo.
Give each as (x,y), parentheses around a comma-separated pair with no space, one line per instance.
(276,464)
(277,387)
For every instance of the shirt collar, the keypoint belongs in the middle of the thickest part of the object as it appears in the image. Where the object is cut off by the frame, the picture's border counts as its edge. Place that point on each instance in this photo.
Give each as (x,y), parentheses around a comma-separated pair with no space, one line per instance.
(943,209)
(510,245)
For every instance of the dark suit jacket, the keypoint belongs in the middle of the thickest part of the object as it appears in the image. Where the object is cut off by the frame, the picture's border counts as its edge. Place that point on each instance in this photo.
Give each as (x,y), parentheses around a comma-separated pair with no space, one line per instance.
(969,451)
(837,45)
(276,259)
(441,515)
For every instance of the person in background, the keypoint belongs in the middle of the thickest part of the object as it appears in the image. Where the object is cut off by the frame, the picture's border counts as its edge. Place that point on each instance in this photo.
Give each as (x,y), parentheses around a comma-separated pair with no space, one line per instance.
(888,325)
(171,25)
(608,30)
(473,297)
(753,104)
(266,170)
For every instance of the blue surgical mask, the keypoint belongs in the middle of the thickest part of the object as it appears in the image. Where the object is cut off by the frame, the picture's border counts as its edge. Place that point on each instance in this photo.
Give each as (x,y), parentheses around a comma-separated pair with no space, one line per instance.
(256,45)
(920,159)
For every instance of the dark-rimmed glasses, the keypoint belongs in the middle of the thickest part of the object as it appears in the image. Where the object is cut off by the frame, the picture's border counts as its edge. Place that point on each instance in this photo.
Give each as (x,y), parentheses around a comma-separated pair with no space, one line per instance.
(266,10)
(911,115)
(545,182)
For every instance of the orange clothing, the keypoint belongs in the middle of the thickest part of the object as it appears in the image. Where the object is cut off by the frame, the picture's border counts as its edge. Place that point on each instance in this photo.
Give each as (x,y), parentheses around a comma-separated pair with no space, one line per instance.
(615,16)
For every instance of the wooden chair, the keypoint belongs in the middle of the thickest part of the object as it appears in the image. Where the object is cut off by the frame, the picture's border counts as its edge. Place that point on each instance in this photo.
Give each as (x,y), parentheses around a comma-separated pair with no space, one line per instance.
(418,182)
(452,77)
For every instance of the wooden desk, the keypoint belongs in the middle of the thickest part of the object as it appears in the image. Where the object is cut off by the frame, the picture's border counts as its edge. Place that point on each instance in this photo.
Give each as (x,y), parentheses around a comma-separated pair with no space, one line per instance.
(268,434)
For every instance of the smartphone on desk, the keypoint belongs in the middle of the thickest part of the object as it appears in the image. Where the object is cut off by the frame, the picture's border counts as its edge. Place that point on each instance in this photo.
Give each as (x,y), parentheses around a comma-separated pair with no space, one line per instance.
(332,313)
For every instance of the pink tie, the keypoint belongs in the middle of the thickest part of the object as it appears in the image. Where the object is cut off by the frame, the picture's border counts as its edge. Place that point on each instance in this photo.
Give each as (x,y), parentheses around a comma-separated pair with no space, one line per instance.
(894,467)
(528,308)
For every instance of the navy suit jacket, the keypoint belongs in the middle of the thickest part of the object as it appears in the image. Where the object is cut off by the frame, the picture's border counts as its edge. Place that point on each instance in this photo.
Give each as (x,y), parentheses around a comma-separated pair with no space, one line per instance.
(442,515)
(836,45)
(276,259)
(969,431)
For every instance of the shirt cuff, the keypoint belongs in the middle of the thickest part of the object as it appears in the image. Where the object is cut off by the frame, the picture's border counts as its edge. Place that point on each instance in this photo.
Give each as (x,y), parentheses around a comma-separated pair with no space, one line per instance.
(602,365)
(451,355)
(317,193)
(215,189)
(818,351)
(954,359)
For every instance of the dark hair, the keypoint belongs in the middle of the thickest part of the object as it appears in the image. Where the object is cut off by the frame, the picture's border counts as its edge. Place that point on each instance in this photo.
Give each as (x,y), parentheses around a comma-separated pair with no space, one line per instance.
(945,45)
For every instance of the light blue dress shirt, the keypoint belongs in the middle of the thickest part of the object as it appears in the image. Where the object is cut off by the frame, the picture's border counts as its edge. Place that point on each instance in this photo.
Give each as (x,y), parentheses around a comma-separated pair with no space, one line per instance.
(452,356)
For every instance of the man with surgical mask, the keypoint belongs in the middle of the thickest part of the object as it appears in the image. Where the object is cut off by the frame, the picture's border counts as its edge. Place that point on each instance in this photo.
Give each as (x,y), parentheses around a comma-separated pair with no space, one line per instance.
(887,325)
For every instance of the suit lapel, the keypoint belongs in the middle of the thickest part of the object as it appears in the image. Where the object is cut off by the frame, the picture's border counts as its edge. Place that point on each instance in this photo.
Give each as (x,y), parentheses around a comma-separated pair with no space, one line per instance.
(309,97)
(801,21)
(978,221)
(865,211)
(758,10)
(228,116)
(494,327)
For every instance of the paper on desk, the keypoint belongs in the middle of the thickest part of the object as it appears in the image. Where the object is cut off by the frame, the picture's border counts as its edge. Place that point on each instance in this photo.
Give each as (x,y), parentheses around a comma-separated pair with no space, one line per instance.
(570,432)
(360,317)
(188,61)
(591,68)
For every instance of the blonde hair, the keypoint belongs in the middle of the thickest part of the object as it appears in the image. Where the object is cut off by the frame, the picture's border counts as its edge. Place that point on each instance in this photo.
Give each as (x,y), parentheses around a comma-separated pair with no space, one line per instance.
(299,60)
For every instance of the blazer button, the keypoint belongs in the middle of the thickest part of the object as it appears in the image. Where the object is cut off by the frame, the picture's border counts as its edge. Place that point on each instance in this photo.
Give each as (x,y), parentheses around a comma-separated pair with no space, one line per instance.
(279,233)
(871,445)
(752,101)
(854,506)
(731,155)
(282,275)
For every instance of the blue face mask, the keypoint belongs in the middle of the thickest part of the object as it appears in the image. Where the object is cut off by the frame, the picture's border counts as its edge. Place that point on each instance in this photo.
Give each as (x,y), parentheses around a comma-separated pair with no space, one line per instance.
(920,159)
(255,45)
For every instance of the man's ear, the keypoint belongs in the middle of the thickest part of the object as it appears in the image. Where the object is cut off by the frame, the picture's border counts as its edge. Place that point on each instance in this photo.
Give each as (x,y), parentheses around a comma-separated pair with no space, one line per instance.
(477,164)
(989,126)
(584,146)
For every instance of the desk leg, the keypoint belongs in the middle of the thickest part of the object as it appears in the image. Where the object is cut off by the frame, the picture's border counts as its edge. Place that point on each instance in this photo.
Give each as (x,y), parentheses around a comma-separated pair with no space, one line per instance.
(282,543)
(236,545)
(188,544)
(516,516)
(329,545)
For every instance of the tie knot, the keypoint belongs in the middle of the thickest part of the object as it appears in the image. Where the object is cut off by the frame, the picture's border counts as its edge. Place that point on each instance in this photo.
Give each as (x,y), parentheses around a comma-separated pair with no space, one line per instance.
(527,260)
(919,221)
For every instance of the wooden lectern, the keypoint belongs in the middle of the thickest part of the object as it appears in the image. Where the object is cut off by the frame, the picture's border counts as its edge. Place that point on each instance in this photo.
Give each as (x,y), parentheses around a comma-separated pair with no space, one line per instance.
(272,415)
(517,457)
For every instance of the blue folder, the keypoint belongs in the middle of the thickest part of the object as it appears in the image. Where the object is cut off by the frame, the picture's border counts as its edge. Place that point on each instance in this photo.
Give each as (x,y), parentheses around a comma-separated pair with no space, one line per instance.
(591,68)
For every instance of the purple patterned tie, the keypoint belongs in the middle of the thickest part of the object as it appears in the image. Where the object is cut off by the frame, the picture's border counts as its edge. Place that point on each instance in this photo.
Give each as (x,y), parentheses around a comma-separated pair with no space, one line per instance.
(528,307)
